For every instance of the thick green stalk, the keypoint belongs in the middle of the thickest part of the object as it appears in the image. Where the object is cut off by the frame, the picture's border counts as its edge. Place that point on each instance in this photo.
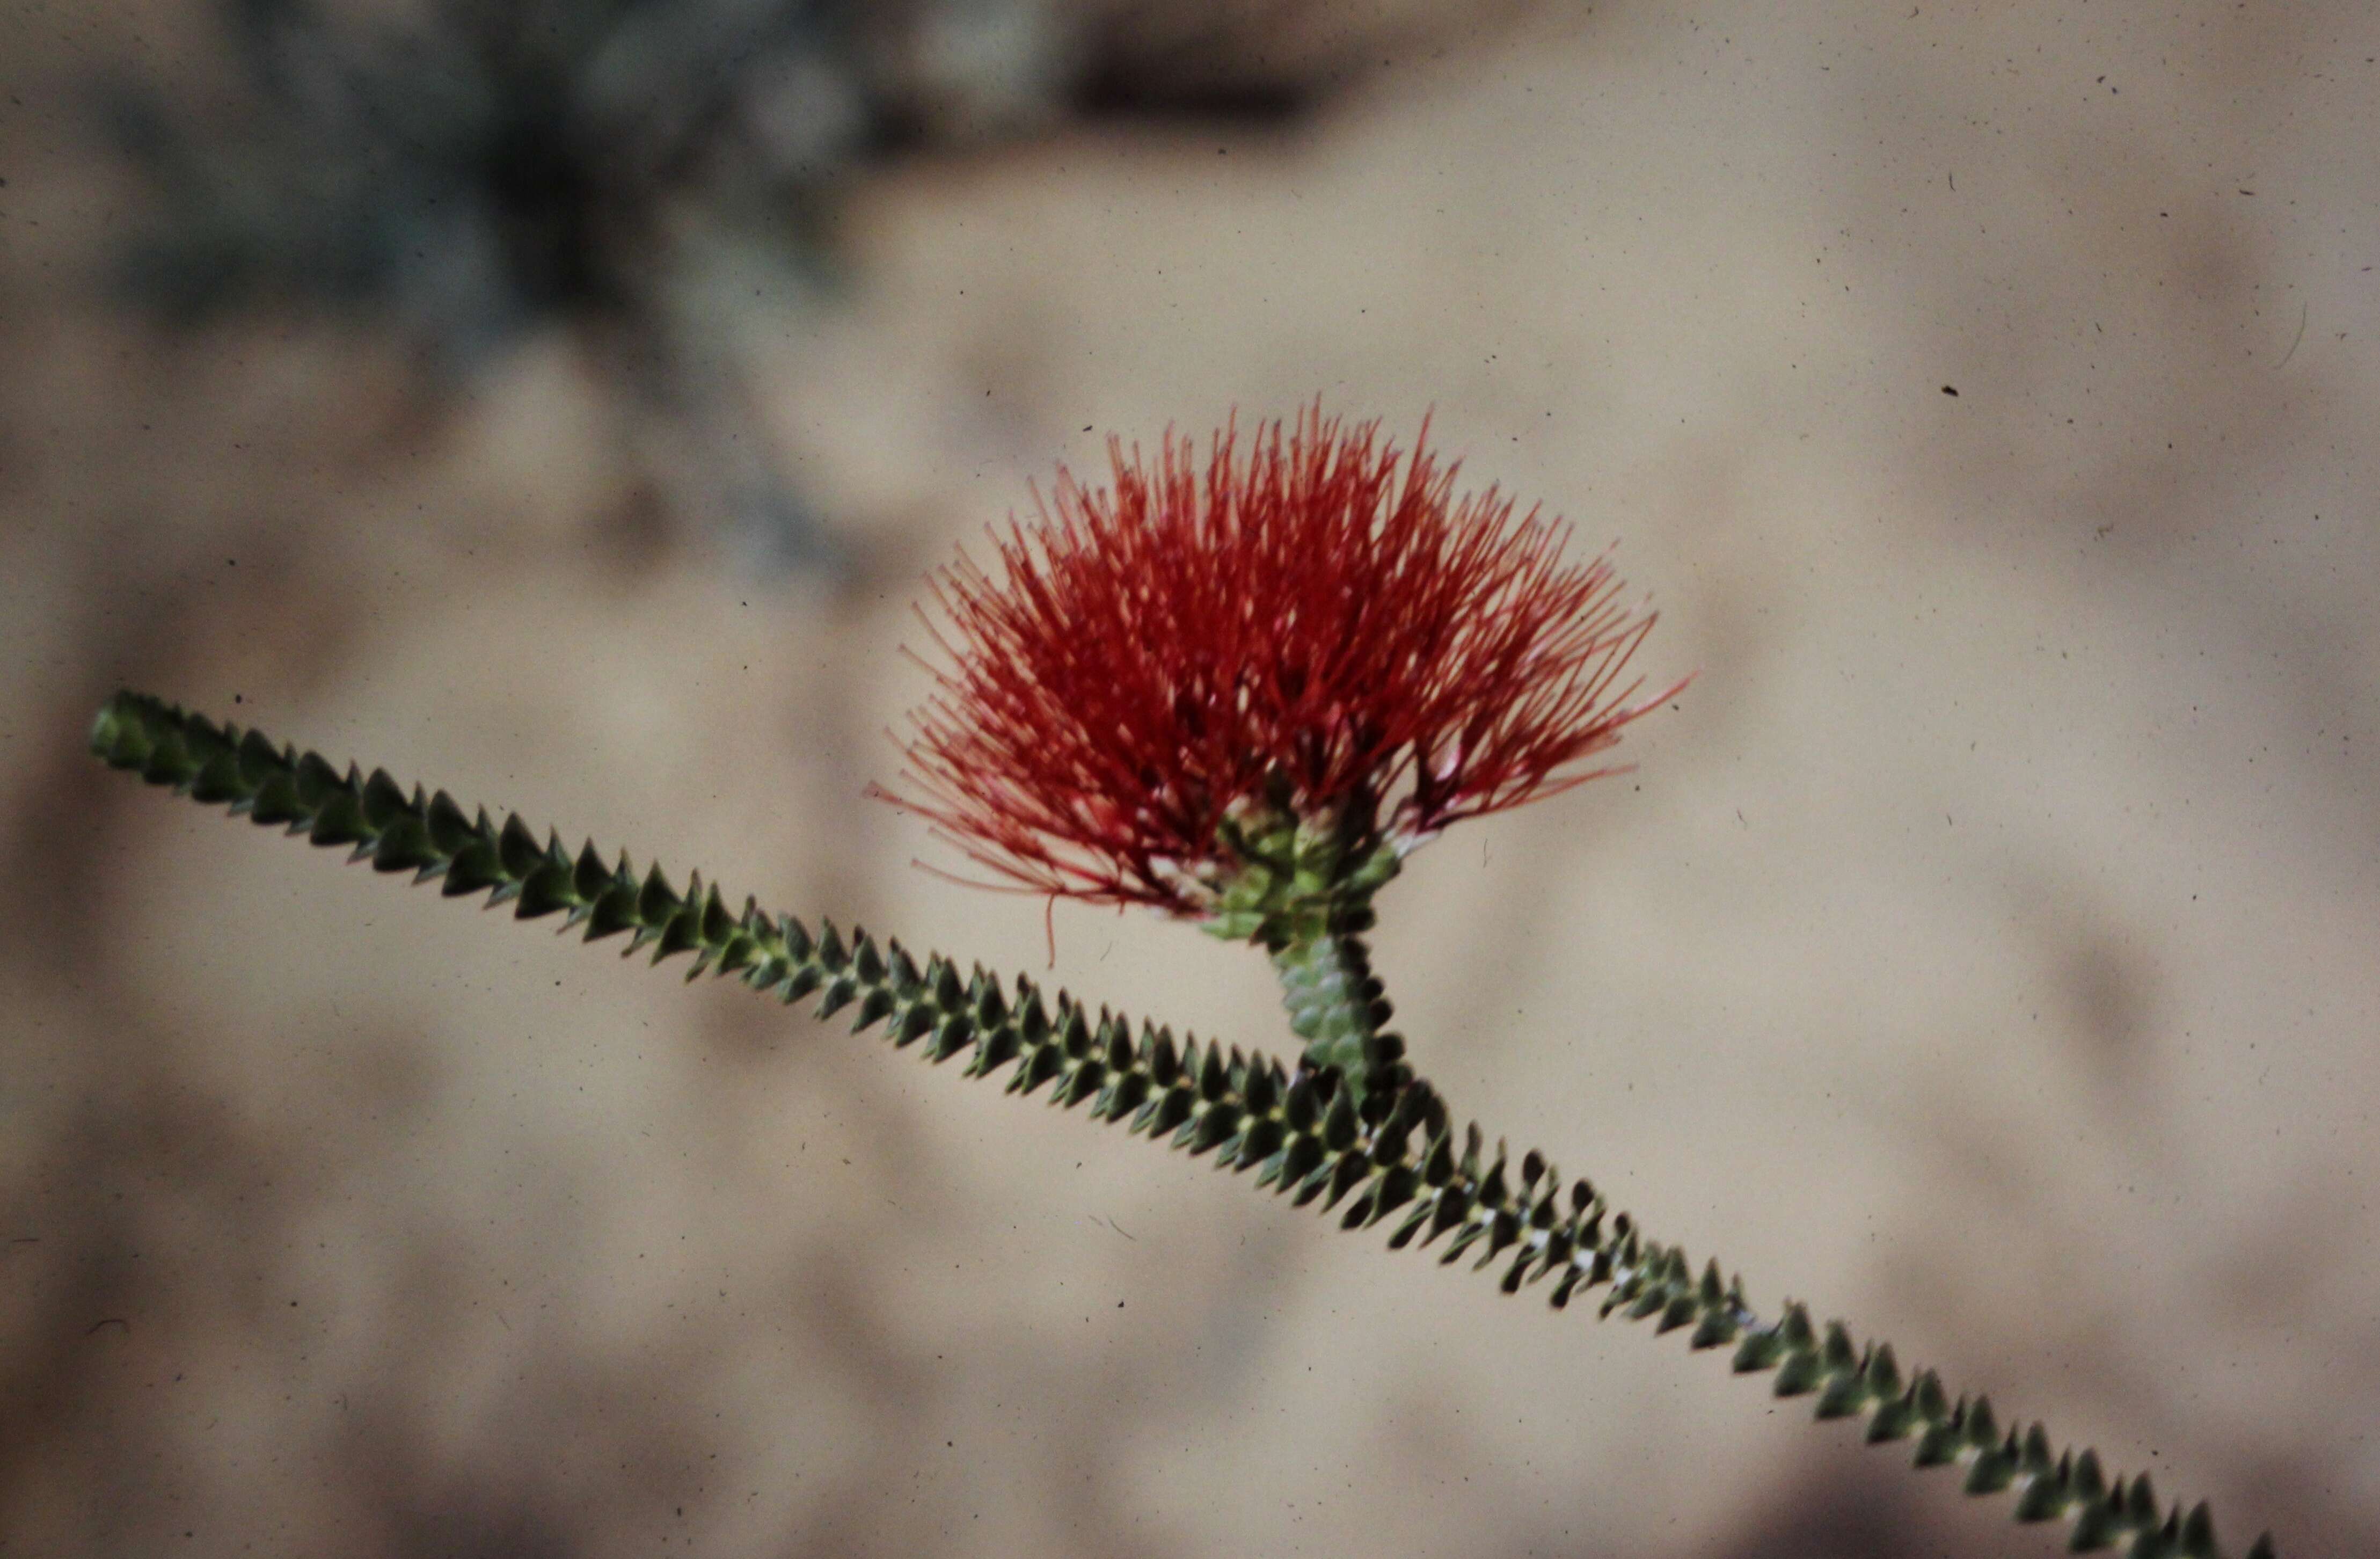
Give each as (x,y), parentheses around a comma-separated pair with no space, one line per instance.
(1336,1006)
(1301,888)
(1303,1134)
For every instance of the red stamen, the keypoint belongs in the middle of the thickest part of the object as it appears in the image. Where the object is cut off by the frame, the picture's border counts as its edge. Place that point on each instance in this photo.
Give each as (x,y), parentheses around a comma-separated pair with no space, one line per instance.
(1148,655)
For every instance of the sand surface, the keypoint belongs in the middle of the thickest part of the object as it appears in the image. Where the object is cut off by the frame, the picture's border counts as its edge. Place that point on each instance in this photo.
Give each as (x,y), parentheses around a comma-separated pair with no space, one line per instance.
(1982,950)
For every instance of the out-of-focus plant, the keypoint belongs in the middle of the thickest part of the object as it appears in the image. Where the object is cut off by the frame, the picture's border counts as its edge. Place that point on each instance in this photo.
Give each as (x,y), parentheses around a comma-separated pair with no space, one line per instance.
(1239,697)
(660,176)
(657,173)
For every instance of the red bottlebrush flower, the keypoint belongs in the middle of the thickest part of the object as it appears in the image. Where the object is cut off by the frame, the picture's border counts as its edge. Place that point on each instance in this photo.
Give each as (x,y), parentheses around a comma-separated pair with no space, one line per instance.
(1305,630)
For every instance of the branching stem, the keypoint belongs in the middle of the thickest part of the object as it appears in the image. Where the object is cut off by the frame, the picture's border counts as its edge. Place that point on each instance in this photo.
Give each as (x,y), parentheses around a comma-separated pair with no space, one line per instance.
(1401,1153)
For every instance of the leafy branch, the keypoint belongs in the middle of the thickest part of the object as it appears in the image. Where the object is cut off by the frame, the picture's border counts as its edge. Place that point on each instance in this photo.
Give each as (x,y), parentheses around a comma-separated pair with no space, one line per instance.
(1396,1155)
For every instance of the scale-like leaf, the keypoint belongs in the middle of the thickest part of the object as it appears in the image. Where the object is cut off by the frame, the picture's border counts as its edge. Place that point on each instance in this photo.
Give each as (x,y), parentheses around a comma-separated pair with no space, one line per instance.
(1399,1152)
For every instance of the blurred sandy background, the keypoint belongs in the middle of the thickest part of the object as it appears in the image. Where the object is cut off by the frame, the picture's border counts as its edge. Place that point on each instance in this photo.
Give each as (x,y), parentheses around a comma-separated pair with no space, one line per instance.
(1983,950)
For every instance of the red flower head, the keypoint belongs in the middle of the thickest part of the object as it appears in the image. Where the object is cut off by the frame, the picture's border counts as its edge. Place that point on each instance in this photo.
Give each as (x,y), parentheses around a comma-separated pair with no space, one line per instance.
(1308,639)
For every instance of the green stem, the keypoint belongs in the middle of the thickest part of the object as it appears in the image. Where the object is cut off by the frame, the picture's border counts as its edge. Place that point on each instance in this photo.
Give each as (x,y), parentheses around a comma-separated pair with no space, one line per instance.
(1400,1155)
(1336,1006)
